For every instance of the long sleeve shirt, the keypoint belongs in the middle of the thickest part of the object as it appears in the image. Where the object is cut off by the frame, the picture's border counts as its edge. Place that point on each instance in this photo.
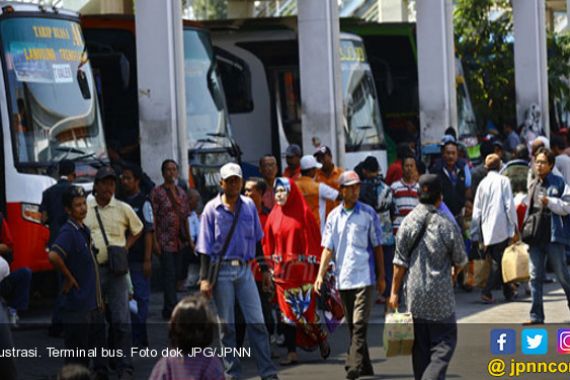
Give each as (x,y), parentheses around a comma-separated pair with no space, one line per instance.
(494,213)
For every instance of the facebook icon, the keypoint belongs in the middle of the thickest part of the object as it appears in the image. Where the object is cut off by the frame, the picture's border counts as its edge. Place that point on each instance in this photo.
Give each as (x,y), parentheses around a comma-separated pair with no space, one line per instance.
(503,341)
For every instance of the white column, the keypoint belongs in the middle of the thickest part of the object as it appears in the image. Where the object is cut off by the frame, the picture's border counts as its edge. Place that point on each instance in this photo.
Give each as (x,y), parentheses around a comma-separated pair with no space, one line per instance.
(241,9)
(321,88)
(393,10)
(436,69)
(531,80)
(160,74)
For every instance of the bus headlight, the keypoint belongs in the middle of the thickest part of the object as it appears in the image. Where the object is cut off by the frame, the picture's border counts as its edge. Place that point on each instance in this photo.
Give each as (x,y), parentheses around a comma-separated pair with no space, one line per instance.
(31,213)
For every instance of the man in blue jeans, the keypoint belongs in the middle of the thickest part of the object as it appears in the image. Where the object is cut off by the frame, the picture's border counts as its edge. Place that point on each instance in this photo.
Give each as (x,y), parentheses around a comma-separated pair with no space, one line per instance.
(550,195)
(235,280)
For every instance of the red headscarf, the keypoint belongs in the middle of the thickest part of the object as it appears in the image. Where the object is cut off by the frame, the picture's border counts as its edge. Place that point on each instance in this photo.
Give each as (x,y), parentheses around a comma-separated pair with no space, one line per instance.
(291,230)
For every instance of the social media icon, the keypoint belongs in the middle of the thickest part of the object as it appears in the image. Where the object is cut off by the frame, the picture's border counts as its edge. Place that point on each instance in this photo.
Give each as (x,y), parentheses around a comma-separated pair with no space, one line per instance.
(503,341)
(534,341)
(563,341)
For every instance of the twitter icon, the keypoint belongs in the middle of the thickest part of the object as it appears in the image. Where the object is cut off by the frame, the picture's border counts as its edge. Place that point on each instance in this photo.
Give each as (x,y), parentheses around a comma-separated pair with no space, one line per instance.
(534,341)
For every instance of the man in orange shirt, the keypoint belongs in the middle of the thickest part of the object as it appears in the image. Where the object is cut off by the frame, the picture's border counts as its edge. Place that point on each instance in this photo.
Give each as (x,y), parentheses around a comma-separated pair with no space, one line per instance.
(329,174)
(293,156)
(316,194)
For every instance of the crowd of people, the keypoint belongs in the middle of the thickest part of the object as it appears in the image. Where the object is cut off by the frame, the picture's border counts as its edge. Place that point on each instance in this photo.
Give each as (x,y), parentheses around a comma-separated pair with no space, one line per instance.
(295,254)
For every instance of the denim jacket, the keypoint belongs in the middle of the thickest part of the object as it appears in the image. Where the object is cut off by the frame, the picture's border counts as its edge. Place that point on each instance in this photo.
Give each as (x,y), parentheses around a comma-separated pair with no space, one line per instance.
(558,193)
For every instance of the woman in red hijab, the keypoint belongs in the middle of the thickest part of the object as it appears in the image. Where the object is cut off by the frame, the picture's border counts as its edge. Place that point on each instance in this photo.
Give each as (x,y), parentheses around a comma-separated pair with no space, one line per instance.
(293,241)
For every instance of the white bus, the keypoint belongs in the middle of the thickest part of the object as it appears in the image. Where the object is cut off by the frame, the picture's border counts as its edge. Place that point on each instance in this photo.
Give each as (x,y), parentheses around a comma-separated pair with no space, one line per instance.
(259,64)
(49,112)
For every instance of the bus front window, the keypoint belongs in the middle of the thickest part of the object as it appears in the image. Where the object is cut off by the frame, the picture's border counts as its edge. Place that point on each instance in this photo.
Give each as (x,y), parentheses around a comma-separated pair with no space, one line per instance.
(53,104)
(362,120)
(205,103)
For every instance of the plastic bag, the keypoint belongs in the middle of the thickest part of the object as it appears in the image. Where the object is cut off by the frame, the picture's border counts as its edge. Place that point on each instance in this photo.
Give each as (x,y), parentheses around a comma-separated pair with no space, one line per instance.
(515,263)
(398,336)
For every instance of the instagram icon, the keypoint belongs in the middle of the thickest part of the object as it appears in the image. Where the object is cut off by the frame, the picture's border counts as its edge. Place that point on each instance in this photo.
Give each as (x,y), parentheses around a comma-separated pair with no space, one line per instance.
(564,341)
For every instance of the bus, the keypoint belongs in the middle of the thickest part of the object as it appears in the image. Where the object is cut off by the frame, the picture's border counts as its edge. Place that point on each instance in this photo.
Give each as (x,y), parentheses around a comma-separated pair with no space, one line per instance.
(393,57)
(49,112)
(111,43)
(259,64)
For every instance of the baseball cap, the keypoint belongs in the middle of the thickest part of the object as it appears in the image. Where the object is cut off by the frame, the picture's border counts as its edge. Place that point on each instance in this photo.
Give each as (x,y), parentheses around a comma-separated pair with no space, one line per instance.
(370,163)
(105,172)
(230,170)
(447,139)
(323,149)
(430,183)
(293,150)
(349,178)
(309,162)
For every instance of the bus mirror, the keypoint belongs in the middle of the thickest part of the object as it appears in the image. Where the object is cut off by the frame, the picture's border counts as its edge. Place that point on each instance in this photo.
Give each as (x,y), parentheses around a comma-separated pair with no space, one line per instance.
(83,84)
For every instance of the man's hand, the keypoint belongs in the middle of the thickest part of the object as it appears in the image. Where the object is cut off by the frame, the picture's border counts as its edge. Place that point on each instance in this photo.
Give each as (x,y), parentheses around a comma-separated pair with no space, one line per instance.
(393,302)
(206,288)
(267,282)
(381,285)
(69,284)
(318,285)
(147,269)
(544,201)
(515,238)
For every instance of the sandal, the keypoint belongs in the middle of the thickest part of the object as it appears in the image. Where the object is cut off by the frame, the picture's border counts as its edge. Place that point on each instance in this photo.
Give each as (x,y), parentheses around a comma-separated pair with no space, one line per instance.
(487,299)
(325,349)
(290,359)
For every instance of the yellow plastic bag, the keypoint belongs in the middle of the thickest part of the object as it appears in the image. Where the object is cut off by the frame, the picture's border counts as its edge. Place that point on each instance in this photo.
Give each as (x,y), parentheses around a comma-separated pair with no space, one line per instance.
(398,334)
(515,263)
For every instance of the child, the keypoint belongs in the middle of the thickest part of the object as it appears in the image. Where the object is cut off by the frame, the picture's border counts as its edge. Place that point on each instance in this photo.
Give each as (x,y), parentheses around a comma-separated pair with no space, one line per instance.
(191,326)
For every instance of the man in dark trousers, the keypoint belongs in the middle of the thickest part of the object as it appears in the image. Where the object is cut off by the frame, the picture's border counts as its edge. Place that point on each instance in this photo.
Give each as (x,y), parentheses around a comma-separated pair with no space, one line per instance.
(82,307)
(54,215)
(429,255)
(140,254)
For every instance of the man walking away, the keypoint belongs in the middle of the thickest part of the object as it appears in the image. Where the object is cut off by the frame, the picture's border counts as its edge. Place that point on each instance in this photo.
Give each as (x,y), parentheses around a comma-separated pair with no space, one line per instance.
(431,265)
(293,157)
(494,222)
(353,237)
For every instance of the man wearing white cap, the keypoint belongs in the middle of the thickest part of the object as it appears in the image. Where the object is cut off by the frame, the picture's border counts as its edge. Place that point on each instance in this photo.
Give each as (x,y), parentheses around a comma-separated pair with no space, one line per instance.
(316,194)
(229,238)
(353,237)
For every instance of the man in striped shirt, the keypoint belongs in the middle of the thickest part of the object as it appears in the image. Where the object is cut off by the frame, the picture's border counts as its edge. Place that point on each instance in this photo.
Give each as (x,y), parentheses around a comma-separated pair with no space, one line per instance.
(405,192)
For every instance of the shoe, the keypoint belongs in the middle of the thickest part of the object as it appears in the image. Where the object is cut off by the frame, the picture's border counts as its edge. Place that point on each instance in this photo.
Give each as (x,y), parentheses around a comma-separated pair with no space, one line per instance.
(532,323)
(270,377)
(367,372)
(380,300)
(325,349)
(290,359)
(13,317)
(352,374)
(487,299)
(511,298)
(280,340)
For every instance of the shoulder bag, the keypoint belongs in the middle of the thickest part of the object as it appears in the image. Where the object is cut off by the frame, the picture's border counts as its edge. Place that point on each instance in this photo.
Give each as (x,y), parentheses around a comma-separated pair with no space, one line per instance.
(535,225)
(214,268)
(118,260)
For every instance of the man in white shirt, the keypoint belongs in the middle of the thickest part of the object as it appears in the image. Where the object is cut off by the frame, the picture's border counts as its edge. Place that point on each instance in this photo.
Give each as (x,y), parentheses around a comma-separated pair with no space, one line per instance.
(494,222)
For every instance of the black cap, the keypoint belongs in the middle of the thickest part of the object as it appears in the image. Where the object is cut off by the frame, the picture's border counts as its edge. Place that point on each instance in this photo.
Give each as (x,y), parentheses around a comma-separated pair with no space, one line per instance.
(105,172)
(371,164)
(430,183)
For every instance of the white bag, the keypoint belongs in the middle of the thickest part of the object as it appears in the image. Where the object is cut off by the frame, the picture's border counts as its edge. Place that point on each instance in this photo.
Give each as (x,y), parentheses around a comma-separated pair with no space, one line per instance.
(398,334)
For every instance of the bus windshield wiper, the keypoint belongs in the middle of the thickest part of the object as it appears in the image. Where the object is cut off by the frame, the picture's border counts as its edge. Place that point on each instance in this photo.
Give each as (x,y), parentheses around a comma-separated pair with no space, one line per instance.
(216,134)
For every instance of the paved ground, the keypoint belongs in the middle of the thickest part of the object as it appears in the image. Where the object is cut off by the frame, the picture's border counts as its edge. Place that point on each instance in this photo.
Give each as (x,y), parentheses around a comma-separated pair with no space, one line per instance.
(470,360)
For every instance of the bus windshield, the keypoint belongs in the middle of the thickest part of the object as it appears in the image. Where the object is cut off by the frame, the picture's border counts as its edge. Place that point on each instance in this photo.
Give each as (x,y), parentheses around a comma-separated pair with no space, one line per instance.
(206,111)
(52,100)
(362,120)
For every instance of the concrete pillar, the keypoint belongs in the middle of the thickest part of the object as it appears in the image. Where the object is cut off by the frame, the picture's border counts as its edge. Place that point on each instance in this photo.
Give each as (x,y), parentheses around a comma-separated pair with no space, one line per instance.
(319,64)
(241,9)
(104,6)
(160,74)
(393,10)
(531,78)
(567,14)
(436,69)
